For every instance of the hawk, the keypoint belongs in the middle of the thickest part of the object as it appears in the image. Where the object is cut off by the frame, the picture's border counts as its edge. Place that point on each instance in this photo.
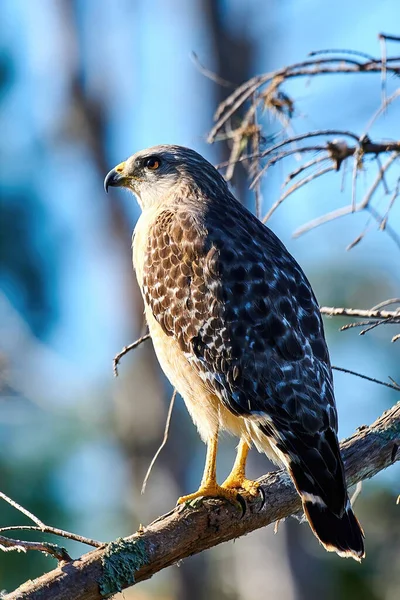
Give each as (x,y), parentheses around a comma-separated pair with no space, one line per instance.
(237,330)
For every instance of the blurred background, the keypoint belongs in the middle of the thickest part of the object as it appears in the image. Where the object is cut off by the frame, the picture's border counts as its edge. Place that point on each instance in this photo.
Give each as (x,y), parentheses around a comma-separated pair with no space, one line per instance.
(84,84)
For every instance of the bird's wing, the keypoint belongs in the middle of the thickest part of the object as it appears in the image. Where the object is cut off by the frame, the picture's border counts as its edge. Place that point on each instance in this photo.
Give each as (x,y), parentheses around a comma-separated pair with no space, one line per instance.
(244,314)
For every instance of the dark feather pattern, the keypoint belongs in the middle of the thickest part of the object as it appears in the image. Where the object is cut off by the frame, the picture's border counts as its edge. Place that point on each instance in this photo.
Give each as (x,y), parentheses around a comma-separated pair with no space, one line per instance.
(244,314)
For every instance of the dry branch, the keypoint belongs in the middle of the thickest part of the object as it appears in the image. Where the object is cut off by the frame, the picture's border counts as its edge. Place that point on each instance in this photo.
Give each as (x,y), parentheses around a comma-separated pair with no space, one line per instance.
(10,545)
(186,530)
(237,120)
(331,311)
(375,316)
(127,349)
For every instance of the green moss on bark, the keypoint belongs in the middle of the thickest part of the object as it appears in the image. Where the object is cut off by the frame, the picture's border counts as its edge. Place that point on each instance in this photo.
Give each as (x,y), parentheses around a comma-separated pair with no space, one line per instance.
(120,562)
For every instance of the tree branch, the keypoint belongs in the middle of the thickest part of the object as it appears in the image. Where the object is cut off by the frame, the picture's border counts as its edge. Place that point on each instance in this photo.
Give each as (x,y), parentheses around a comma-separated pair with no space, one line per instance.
(238,113)
(332,311)
(9,545)
(186,530)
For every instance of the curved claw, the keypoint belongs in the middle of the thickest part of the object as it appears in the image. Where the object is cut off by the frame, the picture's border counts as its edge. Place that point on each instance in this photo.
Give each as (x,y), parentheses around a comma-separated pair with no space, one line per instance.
(261,493)
(243,504)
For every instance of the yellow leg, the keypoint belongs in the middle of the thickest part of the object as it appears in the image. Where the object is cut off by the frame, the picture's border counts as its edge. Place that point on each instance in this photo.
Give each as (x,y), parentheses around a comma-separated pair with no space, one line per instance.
(237,477)
(209,486)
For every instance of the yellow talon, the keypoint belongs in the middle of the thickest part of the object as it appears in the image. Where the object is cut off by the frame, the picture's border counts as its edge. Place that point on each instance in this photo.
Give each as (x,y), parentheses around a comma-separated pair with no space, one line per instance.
(237,479)
(234,483)
(241,483)
(210,490)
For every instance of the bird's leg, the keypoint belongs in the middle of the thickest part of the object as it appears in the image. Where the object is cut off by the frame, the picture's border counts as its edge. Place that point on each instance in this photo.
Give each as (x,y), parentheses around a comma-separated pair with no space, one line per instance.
(237,477)
(209,486)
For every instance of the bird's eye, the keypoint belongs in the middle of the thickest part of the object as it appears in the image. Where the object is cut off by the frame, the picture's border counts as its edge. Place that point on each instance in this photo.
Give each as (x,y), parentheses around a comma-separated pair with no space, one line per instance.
(153,163)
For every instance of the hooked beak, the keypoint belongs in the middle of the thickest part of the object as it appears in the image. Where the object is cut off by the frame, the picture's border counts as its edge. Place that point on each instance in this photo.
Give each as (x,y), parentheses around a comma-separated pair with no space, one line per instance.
(115,177)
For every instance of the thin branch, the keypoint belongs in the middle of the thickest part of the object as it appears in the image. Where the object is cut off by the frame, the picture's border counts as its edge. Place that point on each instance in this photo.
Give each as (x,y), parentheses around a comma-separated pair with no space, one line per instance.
(382,40)
(22,510)
(346,210)
(55,531)
(317,66)
(377,323)
(190,530)
(379,219)
(357,161)
(389,38)
(127,349)
(304,167)
(369,57)
(333,311)
(264,92)
(386,303)
(392,386)
(368,323)
(164,441)
(382,109)
(390,205)
(356,493)
(384,317)
(209,74)
(10,545)
(295,187)
(337,150)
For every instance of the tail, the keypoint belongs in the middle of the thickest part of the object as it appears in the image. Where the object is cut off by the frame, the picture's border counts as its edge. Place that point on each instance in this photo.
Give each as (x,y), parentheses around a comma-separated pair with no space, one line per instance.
(318,474)
(316,468)
(342,535)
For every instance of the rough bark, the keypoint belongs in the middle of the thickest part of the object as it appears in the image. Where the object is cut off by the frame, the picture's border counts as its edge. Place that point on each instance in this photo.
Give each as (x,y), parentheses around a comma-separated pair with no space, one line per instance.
(187,530)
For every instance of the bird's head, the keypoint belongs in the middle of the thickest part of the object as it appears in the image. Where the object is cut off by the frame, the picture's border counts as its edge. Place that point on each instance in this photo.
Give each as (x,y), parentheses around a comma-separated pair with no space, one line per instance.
(156,173)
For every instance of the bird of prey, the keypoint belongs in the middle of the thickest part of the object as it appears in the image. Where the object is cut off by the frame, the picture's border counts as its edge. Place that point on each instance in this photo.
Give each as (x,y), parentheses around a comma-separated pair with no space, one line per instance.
(237,330)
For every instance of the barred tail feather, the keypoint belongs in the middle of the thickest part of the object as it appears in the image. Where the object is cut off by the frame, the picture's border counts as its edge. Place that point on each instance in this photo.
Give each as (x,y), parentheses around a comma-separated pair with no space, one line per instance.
(327,506)
(316,468)
(342,535)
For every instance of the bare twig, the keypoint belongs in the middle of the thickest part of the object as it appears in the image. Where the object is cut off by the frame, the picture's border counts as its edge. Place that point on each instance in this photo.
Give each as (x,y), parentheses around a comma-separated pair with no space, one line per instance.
(22,510)
(209,74)
(386,303)
(10,545)
(189,530)
(374,317)
(315,66)
(295,187)
(356,493)
(389,38)
(379,219)
(264,92)
(369,57)
(384,69)
(127,349)
(55,531)
(372,326)
(164,441)
(304,167)
(392,386)
(331,311)
(390,205)
(345,210)
(366,324)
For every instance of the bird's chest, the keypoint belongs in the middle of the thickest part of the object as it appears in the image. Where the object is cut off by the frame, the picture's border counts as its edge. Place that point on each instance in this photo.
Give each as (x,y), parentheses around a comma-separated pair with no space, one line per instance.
(205,407)
(140,239)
